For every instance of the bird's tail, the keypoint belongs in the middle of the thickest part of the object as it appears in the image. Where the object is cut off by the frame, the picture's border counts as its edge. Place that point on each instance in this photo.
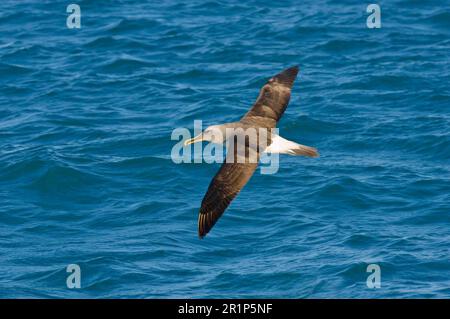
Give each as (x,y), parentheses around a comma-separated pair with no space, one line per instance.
(303,150)
(283,146)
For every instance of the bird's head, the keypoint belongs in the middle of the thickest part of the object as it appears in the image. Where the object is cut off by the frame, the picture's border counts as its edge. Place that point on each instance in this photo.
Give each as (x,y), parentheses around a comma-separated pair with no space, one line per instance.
(212,133)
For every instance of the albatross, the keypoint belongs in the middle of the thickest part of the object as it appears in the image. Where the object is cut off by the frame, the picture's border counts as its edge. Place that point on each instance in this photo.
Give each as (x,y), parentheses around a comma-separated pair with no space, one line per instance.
(237,169)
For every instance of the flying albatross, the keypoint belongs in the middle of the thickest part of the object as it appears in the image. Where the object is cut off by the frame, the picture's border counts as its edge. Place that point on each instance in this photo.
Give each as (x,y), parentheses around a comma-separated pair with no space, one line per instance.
(238,168)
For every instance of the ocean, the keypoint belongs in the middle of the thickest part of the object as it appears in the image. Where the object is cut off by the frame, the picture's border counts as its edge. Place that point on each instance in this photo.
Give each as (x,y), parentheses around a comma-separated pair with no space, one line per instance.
(87,177)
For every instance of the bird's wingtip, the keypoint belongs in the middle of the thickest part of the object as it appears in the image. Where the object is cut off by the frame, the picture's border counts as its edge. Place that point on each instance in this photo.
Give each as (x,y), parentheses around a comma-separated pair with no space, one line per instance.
(201,233)
(294,68)
(287,76)
(202,226)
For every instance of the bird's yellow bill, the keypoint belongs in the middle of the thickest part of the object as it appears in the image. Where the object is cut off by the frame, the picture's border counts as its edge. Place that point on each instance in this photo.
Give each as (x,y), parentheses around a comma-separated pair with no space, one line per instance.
(196,139)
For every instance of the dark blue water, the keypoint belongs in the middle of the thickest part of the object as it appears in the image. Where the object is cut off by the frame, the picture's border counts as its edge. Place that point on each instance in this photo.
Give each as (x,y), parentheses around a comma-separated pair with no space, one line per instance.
(86,175)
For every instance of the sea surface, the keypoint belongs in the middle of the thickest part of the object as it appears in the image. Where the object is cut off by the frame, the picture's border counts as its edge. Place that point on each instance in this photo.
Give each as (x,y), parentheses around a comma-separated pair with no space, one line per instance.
(87,178)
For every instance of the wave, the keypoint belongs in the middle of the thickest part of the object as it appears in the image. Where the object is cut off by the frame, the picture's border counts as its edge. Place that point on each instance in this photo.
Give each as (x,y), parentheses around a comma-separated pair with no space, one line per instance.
(14,70)
(125,64)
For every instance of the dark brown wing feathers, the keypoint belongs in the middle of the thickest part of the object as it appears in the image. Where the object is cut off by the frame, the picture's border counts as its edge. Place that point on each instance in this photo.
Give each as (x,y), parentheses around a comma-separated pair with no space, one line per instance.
(232,176)
(224,187)
(273,99)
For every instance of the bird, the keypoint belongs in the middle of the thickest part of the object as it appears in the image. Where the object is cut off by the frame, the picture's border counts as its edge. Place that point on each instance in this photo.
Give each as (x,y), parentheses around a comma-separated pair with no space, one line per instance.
(238,167)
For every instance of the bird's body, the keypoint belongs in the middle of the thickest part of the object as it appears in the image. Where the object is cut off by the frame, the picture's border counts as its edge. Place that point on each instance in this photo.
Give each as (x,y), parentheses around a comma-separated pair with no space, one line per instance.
(252,135)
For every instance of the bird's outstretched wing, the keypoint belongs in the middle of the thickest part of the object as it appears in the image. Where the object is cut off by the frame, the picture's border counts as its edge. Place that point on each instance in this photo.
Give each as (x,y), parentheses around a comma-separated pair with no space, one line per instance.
(227,183)
(229,180)
(273,99)
(234,173)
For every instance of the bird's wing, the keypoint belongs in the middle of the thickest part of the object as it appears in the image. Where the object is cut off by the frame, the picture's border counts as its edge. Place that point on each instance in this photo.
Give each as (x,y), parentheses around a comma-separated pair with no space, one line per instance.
(224,187)
(235,173)
(229,180)
(273,99)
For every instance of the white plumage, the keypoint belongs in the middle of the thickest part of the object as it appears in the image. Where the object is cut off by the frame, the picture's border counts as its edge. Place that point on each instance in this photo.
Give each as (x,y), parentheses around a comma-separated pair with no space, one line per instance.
(283,146)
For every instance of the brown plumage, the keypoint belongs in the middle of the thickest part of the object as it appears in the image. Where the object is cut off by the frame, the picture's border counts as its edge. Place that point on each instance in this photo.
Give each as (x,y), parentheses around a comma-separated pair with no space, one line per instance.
(231,178)
(273,99)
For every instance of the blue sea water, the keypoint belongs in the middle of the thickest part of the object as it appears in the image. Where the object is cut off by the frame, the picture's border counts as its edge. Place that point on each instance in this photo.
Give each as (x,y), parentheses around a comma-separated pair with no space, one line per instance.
(86,176)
